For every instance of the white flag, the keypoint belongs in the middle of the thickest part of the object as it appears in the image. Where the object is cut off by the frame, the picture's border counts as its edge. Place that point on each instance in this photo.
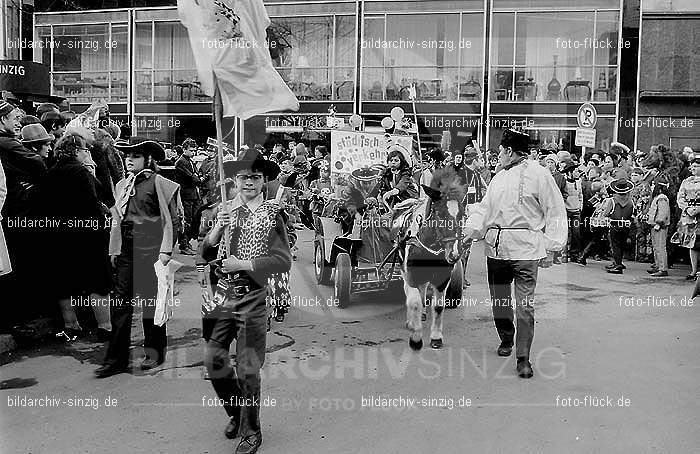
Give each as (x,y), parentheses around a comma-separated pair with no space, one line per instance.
(228,38)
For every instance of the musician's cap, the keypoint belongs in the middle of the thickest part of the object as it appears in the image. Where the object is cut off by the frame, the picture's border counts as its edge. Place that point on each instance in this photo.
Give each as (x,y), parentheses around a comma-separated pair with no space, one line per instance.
(252,159)
(5,108)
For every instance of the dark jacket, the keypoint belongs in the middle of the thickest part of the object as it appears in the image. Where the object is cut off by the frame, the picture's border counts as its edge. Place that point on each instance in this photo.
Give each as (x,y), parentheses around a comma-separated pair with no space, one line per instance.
(403,182)
(24,170)
(560,179)
(187,178)
(78,232)
(105,172)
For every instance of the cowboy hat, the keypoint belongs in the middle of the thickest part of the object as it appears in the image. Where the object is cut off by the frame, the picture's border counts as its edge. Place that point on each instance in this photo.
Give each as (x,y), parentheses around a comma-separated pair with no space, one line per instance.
(621,186)
(249,159)
(142,146)
(35,133)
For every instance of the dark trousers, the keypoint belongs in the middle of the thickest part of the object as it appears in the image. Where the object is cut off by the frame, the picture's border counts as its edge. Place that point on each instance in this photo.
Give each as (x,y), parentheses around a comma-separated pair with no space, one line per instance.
(189,229)
(597,244)
(135,276)
(618,237)
(574,240)
(239,388)
(523,275)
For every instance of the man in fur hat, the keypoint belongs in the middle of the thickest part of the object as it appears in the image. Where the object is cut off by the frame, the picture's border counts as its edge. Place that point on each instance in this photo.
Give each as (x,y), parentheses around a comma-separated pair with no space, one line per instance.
(522,220)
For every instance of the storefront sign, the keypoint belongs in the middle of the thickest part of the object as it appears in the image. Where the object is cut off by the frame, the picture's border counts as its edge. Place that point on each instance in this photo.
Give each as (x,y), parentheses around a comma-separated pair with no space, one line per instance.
(20,76)
(585,137)
(587,116)
(352,150)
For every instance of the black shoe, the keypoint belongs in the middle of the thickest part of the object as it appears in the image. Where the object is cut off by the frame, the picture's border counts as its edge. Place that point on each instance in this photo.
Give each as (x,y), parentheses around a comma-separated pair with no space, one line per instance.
(653,269)
(691,277)
(581,261)
(556,261)
(150,363)
(610,266)
(249,444)
(231,430)
(187,251)
(524,368)
(110,369)
(614,270)
(660,274)
(103,335)
(505,349)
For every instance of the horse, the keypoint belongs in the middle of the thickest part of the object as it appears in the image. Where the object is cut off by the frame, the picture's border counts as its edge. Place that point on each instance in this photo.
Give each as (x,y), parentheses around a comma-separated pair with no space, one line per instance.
(432,246)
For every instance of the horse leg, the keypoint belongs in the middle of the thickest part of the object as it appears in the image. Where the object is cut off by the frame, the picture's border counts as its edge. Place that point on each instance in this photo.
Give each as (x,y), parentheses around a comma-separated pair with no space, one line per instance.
(414,305)
(438,307)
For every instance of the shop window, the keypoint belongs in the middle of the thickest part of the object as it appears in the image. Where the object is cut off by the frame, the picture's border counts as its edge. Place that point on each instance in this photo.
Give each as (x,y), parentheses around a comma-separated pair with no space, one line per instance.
(315,55)
(549,132)
(89,62)
(554,56)
(427,50)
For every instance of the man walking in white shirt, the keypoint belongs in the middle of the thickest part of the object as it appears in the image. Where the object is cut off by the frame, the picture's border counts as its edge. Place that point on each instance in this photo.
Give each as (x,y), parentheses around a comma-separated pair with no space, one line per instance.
(522,220)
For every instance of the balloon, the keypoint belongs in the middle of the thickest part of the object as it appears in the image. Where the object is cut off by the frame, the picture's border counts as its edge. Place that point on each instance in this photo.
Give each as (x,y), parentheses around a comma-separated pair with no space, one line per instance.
(355,120)
(387,123)
(397,113)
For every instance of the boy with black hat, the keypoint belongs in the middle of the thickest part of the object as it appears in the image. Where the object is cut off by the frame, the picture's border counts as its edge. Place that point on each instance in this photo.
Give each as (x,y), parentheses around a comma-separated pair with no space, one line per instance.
(259,248)
(145,219)
(620,222)
(522,220)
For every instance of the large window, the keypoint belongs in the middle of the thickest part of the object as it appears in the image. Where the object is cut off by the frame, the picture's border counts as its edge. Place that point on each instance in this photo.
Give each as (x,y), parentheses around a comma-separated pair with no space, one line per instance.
(554,56)
(315,55)
(87,62)
(165,69)
(441,53)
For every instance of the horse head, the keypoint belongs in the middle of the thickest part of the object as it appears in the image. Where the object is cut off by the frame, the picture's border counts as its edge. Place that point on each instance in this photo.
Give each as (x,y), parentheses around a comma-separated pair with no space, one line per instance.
(445,214)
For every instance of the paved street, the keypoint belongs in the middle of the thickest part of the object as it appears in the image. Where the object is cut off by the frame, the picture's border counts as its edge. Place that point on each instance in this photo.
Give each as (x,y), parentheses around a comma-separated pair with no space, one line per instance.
(614,359)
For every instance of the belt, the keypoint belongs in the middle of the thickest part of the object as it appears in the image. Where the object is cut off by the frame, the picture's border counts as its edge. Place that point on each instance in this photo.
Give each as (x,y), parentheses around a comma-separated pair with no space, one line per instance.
(236,285)
(498,234)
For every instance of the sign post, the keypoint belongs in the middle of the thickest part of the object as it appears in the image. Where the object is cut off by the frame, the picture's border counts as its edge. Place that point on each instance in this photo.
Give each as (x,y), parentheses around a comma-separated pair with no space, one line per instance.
(587,118)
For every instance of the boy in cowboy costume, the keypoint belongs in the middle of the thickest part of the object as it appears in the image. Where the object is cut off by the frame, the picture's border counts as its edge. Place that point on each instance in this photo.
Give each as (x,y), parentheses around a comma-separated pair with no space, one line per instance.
(145,222)
(620,222)
(258,248)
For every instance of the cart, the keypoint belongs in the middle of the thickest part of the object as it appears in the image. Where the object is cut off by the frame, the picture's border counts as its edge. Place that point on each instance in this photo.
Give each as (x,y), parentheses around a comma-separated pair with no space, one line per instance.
(354,261)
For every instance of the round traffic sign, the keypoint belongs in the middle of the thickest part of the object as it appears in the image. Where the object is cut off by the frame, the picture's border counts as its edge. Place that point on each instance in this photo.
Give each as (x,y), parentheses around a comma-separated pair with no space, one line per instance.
(587,116)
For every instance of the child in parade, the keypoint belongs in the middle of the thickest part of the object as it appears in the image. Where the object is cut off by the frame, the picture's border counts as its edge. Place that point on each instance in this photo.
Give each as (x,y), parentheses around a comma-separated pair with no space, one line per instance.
(145,222)
(259,248)
(620,222)
(658,218)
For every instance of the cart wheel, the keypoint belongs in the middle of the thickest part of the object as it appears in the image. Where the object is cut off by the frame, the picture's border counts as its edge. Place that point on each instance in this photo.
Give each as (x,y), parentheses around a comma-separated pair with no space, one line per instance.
(343,278)
(454,288)
(321,268)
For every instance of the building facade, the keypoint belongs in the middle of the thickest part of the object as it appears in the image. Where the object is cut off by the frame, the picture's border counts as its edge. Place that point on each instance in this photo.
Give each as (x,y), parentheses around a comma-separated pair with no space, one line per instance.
(479,66)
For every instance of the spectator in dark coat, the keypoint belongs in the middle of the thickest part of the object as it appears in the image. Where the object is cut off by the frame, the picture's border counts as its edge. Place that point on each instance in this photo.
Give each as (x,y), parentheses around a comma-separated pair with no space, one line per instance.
(23,170)
(186,176)
(79,236)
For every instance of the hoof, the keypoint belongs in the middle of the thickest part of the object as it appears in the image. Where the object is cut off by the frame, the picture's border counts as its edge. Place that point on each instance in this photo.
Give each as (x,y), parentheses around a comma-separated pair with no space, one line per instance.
(436,343)
(415,345)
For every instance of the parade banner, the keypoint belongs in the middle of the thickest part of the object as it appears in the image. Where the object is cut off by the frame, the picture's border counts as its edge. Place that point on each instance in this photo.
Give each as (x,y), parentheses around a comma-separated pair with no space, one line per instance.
(352,150)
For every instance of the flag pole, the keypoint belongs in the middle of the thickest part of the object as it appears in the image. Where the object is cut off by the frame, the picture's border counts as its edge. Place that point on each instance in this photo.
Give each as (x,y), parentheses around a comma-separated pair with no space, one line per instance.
(218,115)
(413,94)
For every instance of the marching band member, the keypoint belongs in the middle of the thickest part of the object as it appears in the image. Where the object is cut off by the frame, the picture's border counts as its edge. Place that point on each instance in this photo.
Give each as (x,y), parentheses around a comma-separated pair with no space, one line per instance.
(523,221)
